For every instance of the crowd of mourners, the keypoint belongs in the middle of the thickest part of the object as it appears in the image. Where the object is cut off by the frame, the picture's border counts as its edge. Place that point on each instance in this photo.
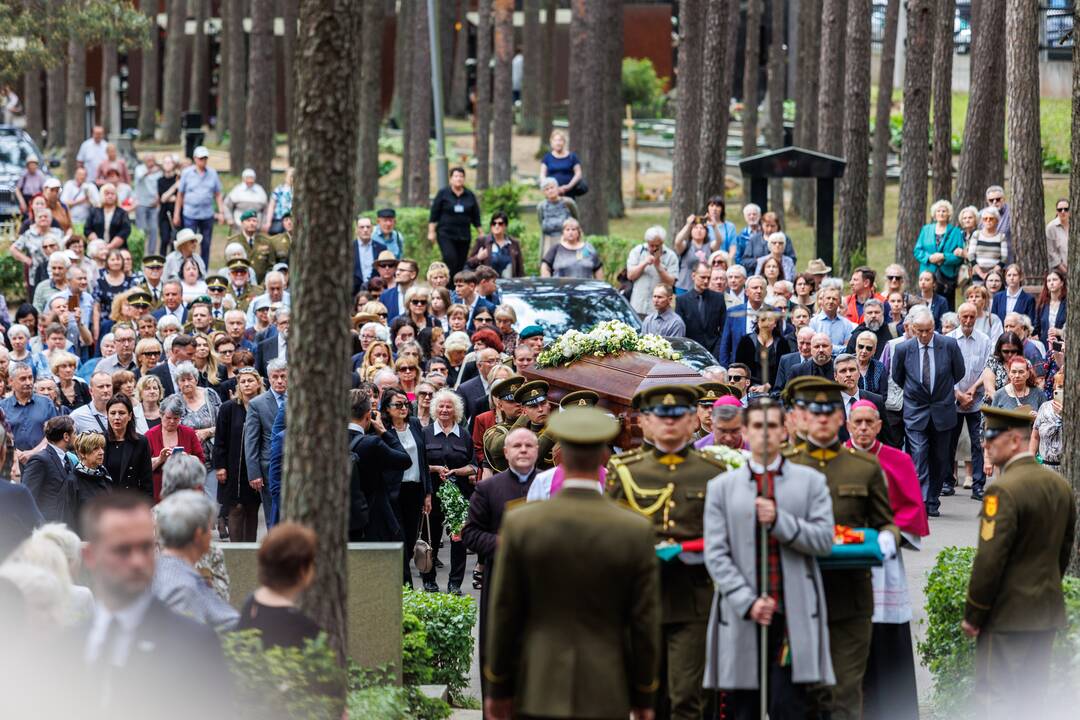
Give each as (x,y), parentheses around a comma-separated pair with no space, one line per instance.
(144,403)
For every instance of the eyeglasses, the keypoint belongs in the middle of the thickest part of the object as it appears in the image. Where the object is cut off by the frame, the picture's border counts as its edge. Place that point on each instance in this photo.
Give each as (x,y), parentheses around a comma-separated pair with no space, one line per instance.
(718,263)
(398,405)
(865,347)
(736,378)
(995,200)
(418,302)
(482,320)
(216,289)
(424,394)
(1063,209)
(151,353)
(407,368)
(894,277)
(382,314)
(1009,351)
(497,222)
(230,351)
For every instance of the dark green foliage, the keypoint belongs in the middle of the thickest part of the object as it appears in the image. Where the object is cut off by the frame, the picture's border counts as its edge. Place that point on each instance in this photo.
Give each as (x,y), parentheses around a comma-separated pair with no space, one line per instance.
(506,198)
(448,621)
(415,652)
(642,89)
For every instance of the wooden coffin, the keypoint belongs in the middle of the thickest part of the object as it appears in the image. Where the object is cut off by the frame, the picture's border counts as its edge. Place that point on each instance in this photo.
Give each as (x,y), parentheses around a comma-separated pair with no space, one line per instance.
(616,379)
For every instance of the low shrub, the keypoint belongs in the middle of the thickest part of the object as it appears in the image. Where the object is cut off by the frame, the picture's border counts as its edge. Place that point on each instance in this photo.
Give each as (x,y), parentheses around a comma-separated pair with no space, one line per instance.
(642,88)
(448,622)
(506,198)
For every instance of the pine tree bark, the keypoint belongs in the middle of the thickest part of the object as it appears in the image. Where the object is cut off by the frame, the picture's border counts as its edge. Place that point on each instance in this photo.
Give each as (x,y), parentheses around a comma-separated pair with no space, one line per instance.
(458,92)
(483,93)
(777,77)
(875,223)
(688,110)
(806,115)
(259,141)
(983,153)
(289,19)
(238,84)
(173,92)
(502,106)
(108,71)
(547,73)
(941,166)
(1070,425)
(76,86)
(613,110)
(915,158)
(445,10)
(34,103)
(403,79)
(831,92)
(318,387)
(751,75)
(717,67)
(587,61)
(1025,144)
(200,61)
(55,90)
(530,81)
(370,107)
(420,109)
(148,92)
(854,186)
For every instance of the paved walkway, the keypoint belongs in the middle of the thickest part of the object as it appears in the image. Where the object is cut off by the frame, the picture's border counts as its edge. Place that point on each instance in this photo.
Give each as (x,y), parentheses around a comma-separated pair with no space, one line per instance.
(957,526)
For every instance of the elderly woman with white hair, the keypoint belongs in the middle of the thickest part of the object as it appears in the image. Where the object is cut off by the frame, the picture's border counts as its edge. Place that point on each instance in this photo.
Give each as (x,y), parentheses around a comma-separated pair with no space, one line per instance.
(449,459)
(456,347)
(988,248)
(185,472)
(55,548)
(940,250)
(246,195)
(552,212)
(184,526)
(199,412)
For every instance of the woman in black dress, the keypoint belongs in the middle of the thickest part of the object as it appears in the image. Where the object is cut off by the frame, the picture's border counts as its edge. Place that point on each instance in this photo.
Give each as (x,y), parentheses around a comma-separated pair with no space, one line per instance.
(449,459)
(127,454)
(239,501)
(749,348)
(409,490)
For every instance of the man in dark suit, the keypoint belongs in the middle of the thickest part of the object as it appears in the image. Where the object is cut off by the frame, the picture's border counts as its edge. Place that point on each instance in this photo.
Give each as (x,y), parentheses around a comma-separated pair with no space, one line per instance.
(394,298)
(1024,303)
(475,391)
(927,367)
(276,346)
(375,452)
(820,363)
(846,367)
(19,514)
(552,600)
(702,310)
(172,302)
(492,498)
(365,251)
(134,648)
(181,351)
(741,318)
(47,474)
(792,360)
(258,426)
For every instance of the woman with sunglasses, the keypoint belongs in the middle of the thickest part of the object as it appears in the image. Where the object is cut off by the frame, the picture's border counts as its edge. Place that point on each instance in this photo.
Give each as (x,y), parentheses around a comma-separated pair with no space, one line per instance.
(1050,307)
(408,372)
(498,250)
(425,390)
(994,377)
(417,305)
(1057,236)
(147,355)
(239,500)
(410,489)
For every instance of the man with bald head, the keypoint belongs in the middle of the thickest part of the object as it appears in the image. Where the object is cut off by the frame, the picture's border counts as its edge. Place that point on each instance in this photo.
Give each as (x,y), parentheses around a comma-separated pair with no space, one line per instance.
(975,346)
(789,362)
(820,362)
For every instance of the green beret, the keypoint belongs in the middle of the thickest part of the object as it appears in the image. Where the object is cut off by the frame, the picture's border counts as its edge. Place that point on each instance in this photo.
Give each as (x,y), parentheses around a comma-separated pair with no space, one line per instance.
(583,426)
(531,331)
(248,214)
(579,398)
(532,393)
(999,420)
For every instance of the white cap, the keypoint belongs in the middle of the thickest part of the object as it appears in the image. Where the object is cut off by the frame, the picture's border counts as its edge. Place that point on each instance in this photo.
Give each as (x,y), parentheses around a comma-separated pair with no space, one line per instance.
(248,172)
(32,159)
(201,152)
(52,183)
(186,235)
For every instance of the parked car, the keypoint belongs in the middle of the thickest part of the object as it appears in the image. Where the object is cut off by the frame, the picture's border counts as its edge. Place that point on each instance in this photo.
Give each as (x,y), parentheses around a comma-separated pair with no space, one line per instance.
(561,304)
(15,146)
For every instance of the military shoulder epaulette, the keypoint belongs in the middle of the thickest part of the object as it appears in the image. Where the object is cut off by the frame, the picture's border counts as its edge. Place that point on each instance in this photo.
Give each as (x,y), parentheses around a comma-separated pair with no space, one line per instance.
(864,456)
(628,457)
(791,450)
(711,459)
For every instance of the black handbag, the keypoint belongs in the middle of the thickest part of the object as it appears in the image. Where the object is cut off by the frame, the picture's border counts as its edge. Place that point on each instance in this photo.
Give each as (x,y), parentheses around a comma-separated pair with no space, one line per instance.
(579,189)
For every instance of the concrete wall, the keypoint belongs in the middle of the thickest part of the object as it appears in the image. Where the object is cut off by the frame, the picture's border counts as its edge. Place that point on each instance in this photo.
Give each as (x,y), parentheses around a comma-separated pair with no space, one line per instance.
(1055,76)
(373,605)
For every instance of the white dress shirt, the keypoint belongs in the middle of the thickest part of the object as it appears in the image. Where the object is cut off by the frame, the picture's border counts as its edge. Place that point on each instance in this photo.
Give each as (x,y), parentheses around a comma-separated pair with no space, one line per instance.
(128,619)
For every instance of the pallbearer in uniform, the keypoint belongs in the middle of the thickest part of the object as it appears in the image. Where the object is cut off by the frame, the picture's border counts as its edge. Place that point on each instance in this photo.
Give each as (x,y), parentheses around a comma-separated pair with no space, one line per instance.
(532,396)
(860,498)
(549,482)
(710,393)
(1015,604)
(505,412)
(666,483)
(573,625)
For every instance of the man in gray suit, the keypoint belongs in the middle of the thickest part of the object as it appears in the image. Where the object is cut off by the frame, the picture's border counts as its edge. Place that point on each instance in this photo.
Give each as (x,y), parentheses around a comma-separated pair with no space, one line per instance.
(927,368)
(793,502)
(257,428)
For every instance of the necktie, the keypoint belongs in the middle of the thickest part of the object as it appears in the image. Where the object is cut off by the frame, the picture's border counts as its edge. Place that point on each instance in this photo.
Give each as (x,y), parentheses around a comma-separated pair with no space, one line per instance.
(926,366)
(850,402)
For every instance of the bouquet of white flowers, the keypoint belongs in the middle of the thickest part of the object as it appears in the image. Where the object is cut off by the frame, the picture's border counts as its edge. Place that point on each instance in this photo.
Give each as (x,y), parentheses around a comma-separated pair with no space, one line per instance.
(608,338)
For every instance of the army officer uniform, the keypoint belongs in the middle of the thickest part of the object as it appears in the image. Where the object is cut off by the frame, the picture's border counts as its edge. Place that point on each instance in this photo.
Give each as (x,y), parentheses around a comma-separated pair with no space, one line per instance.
(528,395)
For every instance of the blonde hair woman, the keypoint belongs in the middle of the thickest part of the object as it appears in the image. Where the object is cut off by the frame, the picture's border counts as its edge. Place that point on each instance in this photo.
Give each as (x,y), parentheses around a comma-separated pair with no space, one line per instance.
(73,390)
(148,396)
(438,274)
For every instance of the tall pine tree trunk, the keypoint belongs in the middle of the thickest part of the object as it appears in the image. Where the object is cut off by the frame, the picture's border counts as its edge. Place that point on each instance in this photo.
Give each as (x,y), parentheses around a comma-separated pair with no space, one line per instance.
(854,186)
(55,97)
(917,79)
(148,92)
(831,93)
(403,79)
(1025,147)
(420,109)
(613,110)
(458,92)
(941,166)
(502,106)
(370,109)
(315,489)
(806,115)
(721,27)
(34,103)
(445,10)
(547,73)
(688,110)
(777,77)
(200,61)
(173,93)
(259,141)
(288,47)
(76,87)
(483,94)
(1070,425)
(238,84)
(587,62)
(983,149)
(751,73)
(530,81)
(875,223)
(108,72)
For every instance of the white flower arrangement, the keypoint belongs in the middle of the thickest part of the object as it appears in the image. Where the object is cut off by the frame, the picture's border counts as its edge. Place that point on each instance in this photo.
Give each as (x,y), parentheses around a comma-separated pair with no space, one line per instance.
(608,338)
(730,457)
